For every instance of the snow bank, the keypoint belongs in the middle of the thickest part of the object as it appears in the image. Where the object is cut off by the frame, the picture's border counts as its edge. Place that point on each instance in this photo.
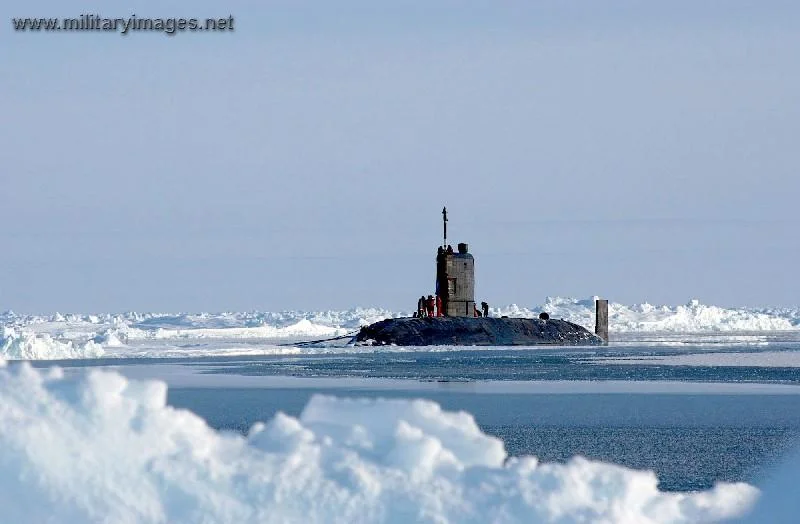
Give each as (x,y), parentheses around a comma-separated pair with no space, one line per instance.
(693,317)
(32,346)
(111,338)
(301,329)
(98,447)
(348,319)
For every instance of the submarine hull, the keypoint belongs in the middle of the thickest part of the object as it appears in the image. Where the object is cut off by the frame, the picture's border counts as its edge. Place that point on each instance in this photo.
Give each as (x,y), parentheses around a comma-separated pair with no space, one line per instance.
(469,331)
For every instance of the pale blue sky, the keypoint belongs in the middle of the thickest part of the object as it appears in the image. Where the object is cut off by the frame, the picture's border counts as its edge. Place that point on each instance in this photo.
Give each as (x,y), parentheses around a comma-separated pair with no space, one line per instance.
(643,151)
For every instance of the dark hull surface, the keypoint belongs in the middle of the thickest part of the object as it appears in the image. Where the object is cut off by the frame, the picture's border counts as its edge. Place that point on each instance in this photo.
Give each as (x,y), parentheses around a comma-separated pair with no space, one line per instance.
(466,331)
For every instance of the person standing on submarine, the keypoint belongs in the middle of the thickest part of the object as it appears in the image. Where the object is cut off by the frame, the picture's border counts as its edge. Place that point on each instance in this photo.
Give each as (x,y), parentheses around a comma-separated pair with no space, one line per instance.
(431,306)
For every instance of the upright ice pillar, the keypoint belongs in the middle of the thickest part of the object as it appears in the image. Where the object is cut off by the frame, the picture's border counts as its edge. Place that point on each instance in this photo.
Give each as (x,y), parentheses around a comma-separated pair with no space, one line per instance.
(601,319)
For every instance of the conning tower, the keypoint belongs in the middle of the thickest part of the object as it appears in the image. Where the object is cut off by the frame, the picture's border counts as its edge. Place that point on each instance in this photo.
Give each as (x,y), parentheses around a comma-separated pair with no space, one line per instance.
(455,277)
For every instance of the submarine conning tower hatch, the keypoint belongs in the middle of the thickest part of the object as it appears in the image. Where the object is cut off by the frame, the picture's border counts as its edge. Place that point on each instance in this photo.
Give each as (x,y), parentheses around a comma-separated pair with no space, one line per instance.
(455,277)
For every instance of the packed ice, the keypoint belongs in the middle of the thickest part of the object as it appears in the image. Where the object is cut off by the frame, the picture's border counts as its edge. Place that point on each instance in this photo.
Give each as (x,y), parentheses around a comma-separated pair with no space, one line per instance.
(96,447)
(28,345)
(65,336)
(692,317)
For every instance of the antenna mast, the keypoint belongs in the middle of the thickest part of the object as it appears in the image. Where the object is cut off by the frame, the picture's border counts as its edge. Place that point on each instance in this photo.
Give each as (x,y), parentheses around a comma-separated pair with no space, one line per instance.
(444,223)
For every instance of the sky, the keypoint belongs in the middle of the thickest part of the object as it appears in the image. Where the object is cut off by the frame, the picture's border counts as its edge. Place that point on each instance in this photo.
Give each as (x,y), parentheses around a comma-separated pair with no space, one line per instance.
(639,151)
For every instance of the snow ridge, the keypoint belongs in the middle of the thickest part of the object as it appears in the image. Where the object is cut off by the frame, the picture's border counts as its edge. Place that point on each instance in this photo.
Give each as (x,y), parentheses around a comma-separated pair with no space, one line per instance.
(692,317)
(97,447)
(31,346)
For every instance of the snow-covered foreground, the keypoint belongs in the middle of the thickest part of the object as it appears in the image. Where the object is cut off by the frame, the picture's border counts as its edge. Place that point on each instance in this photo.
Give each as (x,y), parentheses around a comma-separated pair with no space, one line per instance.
(97,447)
(191,335)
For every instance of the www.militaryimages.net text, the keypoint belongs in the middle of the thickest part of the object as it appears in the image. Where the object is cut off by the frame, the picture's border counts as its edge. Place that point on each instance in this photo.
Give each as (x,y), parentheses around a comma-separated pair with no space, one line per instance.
(89,22)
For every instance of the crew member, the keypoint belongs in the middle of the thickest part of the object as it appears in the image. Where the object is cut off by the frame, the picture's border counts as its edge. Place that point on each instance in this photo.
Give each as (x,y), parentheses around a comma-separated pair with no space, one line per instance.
(476,312)
(431,306)
(439,312)
(421,306)
(485,308)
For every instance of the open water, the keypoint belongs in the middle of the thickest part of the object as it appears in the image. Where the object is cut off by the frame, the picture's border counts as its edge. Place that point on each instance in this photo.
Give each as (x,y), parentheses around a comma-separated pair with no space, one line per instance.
(690,441)
(690,437)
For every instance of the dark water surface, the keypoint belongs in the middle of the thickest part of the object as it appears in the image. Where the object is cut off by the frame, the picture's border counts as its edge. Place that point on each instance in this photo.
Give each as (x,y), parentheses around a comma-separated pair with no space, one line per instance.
(510,364)
(689,440)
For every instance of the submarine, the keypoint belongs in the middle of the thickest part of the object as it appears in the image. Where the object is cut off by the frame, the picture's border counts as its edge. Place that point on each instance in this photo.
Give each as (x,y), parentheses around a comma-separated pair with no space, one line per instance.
(456,321)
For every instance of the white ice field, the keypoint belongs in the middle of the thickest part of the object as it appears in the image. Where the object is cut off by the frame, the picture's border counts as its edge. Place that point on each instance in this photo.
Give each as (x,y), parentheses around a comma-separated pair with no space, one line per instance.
(146,335)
